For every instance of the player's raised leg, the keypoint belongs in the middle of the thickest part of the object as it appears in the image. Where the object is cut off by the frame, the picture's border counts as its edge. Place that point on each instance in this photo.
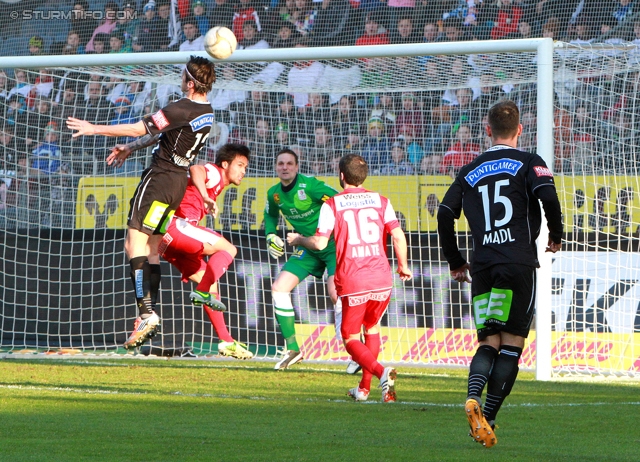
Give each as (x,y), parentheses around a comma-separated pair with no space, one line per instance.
(222,253)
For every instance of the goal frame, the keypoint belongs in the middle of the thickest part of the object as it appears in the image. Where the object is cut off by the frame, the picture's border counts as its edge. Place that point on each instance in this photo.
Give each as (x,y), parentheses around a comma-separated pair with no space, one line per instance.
(543,47)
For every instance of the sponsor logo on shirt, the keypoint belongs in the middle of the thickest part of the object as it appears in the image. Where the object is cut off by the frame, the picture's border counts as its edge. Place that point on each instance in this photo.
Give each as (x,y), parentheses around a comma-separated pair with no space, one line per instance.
(302,195)
(160,120)
(205,120)
(493,167)
(357,201)
(542,171)
(360,299)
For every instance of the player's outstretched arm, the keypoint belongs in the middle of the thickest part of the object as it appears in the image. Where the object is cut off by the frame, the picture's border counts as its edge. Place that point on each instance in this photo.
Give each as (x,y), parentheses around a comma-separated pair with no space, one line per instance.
(400,247)
(120,152)
(84,128)
(311,243)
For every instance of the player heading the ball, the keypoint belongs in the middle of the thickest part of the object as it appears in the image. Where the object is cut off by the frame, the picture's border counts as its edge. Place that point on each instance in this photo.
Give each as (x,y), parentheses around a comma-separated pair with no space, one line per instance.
(179,131)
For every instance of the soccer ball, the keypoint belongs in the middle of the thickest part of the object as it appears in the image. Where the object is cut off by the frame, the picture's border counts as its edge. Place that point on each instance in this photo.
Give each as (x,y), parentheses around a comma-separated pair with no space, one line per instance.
(220,42)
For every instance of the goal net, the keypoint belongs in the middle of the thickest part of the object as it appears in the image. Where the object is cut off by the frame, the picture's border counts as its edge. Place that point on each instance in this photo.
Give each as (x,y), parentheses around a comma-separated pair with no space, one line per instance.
(417,116)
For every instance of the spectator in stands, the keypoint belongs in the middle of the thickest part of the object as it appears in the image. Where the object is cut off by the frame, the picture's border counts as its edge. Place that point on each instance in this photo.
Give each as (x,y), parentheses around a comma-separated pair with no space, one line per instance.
(345,115)
(316,112)
(551,28)
(127,23)
(430,32)
(222,14)
(384,107)
(375,147)
(404,31)
(22,84)
(352,142)
(201,17)
(304,16)
(101,44)
(261,140)
(415,153)
(81,22)
(245,11)
(524,31)
(428,11)
(46,156)
(287,36)
(73,45)
(460,153)
(117,43)
(36,121)
(15,114)
(507,20)
(251,38)
(244,114)
(36,45)
(286,113)
(324,144)
(282,136)
(193,41)
(489,93)
(163,34)
(10,147)
(373,33)
(334,24)
(430,165)
(409,114)
(399,165)
(622,10)
(528,141)
(452,30)
(302,76)
(107,25)
(147,30)
(340,74)
(4,88)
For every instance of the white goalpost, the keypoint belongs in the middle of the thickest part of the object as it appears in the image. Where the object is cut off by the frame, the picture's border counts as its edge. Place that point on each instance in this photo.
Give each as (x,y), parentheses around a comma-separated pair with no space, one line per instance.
(65,277)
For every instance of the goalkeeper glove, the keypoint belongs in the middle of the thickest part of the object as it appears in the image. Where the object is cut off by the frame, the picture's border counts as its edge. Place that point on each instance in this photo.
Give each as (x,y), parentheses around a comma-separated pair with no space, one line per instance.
(275,245)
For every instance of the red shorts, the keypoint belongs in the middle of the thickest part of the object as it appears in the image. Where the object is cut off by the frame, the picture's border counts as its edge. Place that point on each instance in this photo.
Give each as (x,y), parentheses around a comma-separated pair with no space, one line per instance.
(182,246)
(365,309)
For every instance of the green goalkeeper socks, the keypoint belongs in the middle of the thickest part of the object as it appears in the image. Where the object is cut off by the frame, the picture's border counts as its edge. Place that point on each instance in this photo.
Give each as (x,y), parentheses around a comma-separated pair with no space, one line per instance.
(287,321)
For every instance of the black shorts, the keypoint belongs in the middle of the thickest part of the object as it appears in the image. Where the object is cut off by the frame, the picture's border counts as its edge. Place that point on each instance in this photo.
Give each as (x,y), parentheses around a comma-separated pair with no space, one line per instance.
(157,197)
(504,299)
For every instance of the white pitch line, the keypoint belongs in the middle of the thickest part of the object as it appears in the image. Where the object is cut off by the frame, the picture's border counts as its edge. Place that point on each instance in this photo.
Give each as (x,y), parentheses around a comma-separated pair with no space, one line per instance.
(310,400)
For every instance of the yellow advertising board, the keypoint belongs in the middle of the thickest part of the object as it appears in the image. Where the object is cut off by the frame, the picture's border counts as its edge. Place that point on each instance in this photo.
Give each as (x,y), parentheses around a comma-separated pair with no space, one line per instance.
(589,203)
(578,351)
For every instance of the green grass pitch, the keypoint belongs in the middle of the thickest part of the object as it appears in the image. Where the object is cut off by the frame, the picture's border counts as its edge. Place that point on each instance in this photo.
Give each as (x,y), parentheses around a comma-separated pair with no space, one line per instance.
(111,409)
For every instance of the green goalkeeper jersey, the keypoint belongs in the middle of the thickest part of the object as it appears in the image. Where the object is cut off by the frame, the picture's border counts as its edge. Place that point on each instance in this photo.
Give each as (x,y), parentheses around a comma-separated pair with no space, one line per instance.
(298,202)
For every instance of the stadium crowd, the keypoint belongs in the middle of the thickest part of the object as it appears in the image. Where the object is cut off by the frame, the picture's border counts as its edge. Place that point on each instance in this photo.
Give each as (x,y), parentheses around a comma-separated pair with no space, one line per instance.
(401,133)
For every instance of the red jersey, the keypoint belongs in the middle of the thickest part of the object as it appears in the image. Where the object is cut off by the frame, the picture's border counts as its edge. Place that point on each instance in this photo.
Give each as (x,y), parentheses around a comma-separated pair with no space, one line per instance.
(459,155)
(192,206)
(360,221)
(378,39)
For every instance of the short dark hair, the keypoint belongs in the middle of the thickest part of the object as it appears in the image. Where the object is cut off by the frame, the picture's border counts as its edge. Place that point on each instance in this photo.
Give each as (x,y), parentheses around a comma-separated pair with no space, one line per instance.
(504,118)
(230,151)
(202,73)
(354,169)
(287,151)
(190,20)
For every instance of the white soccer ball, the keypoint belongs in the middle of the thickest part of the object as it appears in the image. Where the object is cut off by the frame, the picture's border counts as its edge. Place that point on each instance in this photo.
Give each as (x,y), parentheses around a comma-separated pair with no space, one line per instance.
(220,42)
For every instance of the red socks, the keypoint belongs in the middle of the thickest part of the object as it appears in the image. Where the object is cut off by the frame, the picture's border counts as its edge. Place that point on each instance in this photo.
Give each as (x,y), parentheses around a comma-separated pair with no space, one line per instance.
(217,319)
(216,267)
(363,356)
